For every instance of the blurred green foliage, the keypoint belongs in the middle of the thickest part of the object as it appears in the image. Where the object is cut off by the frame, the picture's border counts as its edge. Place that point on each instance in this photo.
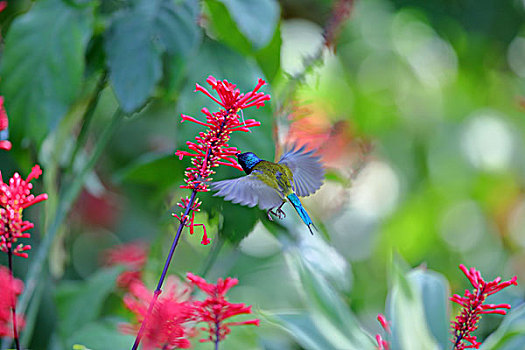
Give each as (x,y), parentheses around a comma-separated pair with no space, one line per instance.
(417,112)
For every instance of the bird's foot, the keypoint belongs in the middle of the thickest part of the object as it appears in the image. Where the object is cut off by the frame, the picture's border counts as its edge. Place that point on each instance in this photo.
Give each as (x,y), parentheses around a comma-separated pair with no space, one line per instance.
(268,213)
(280,213)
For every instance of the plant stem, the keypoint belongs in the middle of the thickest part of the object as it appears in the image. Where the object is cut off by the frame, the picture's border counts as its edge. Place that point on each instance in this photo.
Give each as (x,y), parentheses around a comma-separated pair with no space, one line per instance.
(66,201)
(165,270)
(13,307)
(217,333)
(88,117)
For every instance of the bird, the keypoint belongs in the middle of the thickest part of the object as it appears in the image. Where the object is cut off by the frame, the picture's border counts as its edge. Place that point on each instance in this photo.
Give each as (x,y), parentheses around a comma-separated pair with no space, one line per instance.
(298,173)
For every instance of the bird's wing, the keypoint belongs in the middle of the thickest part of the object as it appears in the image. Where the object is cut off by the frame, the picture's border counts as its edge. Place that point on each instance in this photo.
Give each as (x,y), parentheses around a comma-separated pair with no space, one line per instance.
(249,191)
(307,170)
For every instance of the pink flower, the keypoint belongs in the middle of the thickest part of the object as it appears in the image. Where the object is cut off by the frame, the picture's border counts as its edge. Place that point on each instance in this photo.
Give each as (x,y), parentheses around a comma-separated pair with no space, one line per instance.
(215,309)
(14,197)
(9,288)
(211,148)
(168,325)
(133,256)
(4,122)
(473,307)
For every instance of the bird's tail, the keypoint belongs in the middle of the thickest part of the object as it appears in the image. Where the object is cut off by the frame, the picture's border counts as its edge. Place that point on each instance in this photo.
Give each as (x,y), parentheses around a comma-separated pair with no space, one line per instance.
(301,211)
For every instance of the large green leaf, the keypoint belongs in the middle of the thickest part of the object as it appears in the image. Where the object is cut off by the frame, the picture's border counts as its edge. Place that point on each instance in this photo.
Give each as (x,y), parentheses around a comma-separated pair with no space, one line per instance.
(136,40)
(43,65)
(510,335)
(256,19)
(80,302)
(246,25)
(434,291)
(269,57)
(407,314)
(329,312)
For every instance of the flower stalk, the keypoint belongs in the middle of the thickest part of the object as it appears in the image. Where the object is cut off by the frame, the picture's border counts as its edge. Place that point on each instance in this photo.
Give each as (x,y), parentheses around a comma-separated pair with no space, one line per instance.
(209,150)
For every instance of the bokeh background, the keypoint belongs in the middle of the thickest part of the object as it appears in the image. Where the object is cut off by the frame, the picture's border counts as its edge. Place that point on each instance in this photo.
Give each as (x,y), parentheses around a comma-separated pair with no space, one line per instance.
(416,109)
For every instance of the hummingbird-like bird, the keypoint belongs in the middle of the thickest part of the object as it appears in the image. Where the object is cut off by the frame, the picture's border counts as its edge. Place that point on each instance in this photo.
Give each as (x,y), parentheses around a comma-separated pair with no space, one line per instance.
(269,185)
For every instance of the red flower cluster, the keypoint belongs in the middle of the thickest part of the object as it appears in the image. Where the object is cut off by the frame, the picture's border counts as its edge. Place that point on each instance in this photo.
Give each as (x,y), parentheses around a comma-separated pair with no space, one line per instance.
(10,288)
(211,147)
(166,327)
(173,318)
(14,197)
(473,307)
(215,309)
(132,256)
(4,123)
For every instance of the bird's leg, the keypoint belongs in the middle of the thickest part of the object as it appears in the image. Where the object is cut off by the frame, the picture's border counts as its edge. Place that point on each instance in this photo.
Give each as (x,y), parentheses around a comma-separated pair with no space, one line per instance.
(269,215)
(280,213)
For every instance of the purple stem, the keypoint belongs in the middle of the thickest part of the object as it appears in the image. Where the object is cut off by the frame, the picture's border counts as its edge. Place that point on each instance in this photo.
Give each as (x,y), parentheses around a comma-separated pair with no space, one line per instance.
(164,271)
(217,332)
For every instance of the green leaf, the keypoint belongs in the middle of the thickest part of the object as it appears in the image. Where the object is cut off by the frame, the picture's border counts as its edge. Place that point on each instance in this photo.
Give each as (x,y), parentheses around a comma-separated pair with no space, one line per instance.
(237,221)
(510,335)
(304,330)
(329,312)
(407,314)
(256,19)
(100,335)
(136,41)
(225,28)
(269,57)
(434,291)
(153,169)
(43,66)
(80,302)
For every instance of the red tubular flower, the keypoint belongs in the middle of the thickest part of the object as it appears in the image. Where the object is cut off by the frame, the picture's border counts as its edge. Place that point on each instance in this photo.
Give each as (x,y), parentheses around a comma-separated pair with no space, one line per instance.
(215,309)
(211,148)
(4,123)
(167,326)
(9,288)
(473,307)
(14,197)
(133,256)
(382,344)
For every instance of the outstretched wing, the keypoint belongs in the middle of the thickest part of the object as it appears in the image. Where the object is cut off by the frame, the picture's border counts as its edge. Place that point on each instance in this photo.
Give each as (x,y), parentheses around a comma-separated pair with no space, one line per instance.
(307,170)
(249,191)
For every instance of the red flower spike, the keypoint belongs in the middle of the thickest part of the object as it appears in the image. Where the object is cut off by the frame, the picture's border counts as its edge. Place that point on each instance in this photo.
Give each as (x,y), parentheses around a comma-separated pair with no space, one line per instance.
(4,122)
(168,325)
(211,148)
(472,303)
(132,256)
(10,287)
(215,309)
(14,197)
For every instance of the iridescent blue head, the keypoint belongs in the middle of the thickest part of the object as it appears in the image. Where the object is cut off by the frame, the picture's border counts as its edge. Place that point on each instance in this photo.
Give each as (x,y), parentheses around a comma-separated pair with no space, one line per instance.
(248,161)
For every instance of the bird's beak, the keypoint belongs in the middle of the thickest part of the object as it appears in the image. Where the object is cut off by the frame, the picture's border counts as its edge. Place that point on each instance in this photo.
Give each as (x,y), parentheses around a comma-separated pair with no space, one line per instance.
(237,154)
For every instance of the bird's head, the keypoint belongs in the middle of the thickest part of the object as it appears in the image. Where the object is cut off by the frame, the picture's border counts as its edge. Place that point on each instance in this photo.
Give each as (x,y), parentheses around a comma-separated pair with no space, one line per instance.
(248,160)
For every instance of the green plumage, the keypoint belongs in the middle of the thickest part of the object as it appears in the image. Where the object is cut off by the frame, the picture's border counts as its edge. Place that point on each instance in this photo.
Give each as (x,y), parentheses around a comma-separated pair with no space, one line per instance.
(277,176)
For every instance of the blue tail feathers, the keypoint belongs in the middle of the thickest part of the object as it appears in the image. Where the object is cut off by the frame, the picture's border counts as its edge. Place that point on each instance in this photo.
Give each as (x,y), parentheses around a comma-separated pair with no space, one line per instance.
(301,211)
